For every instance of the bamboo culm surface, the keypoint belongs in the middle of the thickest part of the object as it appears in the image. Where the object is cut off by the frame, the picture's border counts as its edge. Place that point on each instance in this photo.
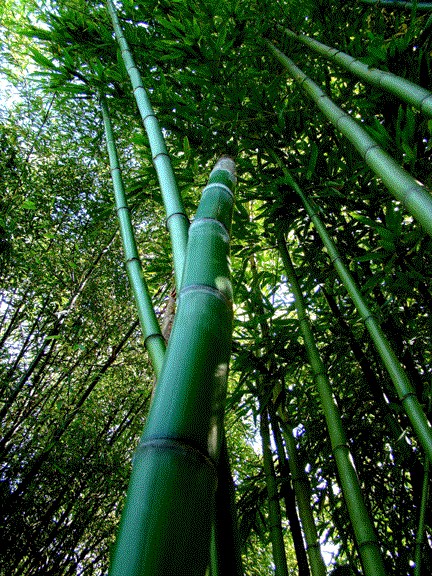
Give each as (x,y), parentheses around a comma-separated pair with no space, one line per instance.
(403,386)
(167,521)
(413,196)
(362,526)
(153,338)
(404,89)
(176,219)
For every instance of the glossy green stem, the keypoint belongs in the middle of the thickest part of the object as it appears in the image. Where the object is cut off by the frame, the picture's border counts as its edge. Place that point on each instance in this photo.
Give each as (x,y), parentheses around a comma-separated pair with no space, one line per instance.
(396,4)
(176,219)
(302,493)
(403,89)
(399,378)
(422,521)
(363,529)
(274,511)
(153,338)
(414,197)
(170,507)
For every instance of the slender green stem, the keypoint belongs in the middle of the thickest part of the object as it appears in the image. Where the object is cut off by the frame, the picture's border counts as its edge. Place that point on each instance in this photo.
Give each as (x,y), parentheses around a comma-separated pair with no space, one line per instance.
(422,520)
(302,493)
(288,493)
(398,4)
(400,380)
(363,529)
(275,517)
(176,219)
(174,476)
(414,197)
(403,89)
(153,338)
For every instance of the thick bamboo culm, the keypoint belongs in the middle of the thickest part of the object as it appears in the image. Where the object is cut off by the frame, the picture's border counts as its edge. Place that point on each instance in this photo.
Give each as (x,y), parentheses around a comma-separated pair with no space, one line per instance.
(364,532)
(413,196)
(403,386)
(404,89)
(153,338)
(176,219)
(167,522)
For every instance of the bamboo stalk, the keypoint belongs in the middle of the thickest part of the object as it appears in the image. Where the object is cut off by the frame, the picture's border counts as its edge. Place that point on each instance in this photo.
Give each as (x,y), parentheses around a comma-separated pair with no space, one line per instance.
(167,521)
(414,197)
(400,4)
(363,529)
(153,338)
(402,384)
(422,521)
(404,89)
(302,493)
(275,517)
(176,219)
(288,493)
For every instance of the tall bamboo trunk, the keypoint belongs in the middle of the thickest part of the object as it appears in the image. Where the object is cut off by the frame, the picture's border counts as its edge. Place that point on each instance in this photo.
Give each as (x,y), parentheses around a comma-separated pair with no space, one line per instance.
(170,508)
(415,198)
(176,219)
(364,532)
(275,517)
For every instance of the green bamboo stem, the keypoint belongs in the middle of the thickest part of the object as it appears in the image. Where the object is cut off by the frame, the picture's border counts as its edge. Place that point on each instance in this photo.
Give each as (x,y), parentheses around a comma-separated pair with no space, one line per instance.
(414,197)
(176,219)
(153,338)
(288,493)
(275,517)
(167,521)
(422,521)
(401,382)
(397,4)
(363,529)
(404,89)
(302,493)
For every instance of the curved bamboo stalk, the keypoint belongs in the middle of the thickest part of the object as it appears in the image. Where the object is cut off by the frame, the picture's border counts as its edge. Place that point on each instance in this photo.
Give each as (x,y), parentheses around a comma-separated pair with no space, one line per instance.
(397,4)
(422,521)
(404,89)
(176,219)
(414,197)
(153,338)
(363,529)
(275,517)
(173,482)
(403,386)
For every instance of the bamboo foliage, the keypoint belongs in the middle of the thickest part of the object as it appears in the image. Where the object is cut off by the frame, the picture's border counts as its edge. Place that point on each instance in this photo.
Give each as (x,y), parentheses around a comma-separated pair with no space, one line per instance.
(153,339)
(176,219)
(404,89)
(363,529)
(174,476)
(414,197)
(403,386)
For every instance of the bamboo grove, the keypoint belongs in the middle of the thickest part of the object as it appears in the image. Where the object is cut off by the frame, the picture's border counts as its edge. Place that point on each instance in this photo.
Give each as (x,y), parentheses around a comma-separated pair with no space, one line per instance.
(193,384)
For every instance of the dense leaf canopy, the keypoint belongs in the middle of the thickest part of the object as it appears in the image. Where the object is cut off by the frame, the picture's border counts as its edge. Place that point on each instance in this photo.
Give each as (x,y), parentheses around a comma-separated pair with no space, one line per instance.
(76,380)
